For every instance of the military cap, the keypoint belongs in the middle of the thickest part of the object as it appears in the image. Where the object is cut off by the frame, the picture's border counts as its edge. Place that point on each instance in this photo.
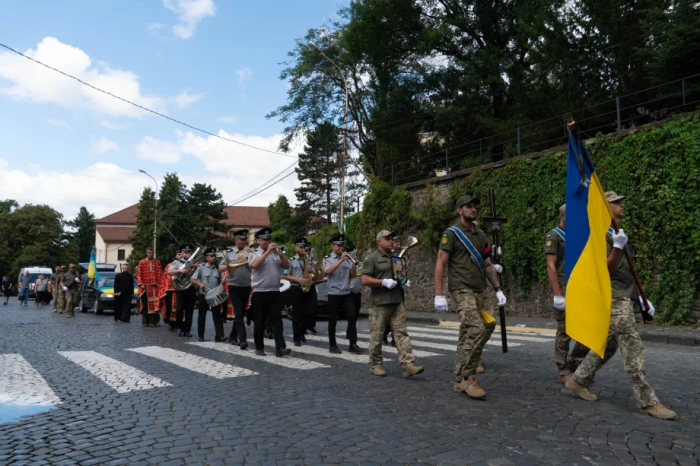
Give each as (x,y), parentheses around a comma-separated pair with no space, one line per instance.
(466,199)
(241,234)
(612,196)
(386,233)
(264,233)
(210,252)
(71,266)
(301,242)
(186,248)
(338,239)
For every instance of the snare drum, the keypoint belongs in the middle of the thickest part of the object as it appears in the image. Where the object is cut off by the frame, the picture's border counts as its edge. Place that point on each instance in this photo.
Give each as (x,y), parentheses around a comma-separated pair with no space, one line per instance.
(285,285)
(216,296)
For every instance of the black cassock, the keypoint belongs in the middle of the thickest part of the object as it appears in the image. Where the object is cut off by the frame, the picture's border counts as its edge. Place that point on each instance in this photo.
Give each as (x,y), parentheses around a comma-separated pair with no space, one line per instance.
(124,285)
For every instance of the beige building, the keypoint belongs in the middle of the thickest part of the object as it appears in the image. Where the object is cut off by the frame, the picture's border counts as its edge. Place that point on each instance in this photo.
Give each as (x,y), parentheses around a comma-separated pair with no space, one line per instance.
(112,243)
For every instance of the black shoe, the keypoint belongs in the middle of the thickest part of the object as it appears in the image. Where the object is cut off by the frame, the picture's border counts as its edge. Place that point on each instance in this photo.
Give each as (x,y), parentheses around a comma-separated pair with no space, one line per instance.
(297,342)
(393,343)
(313,330)
(282,352)
(233,341)
(385,340)
(355,349)
(244,345)
(172,329)
(179,333)
(303,339)
(200,339)
(220,340)
(187,334)
(259,352)
(335,350)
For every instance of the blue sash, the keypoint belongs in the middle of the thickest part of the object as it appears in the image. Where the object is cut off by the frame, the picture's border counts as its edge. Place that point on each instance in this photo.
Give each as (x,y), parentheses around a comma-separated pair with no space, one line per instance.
(470,247)
(560,232)
(611,230)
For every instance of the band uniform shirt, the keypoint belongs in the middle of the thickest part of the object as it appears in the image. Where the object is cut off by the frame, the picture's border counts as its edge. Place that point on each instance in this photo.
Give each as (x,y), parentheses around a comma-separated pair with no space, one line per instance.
(462,271)
(177,264)
(296,268)
(266,277)
(379,265)
(241,276)
(622,280)
(338,281)
(554,244)
(209,275)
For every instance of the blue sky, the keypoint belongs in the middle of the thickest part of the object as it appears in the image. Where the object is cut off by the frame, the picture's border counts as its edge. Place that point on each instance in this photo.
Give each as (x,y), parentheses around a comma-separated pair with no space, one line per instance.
(212,63)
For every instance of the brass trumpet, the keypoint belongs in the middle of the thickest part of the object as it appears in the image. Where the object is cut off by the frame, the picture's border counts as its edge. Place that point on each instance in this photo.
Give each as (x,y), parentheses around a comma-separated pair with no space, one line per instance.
(354,262)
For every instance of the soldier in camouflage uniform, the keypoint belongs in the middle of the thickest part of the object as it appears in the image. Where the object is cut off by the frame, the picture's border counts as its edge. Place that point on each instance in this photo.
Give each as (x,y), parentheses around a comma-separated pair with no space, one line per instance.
(55,287)
(60,294)
(623,328)
(554,242)
(386,306)
(70,284)
(467,254)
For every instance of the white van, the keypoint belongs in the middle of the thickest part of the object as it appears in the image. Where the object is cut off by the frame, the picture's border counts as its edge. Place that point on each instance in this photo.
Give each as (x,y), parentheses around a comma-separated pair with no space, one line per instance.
(34,272)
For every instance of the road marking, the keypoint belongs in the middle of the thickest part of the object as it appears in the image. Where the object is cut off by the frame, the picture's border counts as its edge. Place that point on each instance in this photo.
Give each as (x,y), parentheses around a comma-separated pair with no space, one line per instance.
(306,349)
(455,334)
(205,366)
(390,349)
(430,344)
(121,377)
(535,331)
(22,385)
(287,361)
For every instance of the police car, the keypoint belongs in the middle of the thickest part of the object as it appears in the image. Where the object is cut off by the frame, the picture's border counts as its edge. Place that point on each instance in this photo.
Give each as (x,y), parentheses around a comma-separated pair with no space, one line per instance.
(99,295)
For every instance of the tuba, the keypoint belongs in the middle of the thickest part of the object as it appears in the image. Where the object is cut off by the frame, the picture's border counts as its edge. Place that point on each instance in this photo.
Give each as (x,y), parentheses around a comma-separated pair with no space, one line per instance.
(401,263)
(182,282)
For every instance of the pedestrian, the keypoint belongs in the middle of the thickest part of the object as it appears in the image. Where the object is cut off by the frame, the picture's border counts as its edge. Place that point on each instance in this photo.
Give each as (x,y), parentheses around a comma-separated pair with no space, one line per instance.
(623,331)
(23,287)
(554,242)
(265,261)
(40,287)
(207,277)
(466,252)
(6,288)
(386,306)
(123,294)
(148,277)
(238,284)
(70,284)
(338,266)
(184,299)
(303,290)
(395,247)
(166,297)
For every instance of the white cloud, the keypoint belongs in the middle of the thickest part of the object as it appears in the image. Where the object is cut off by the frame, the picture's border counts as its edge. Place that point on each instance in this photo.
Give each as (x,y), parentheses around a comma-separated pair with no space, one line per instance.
(31,82)
(158,151)
(186,99)
(190,13)
(104,145)
(153,28)
(115,126)
(244,76)
(228,119)
(58,123)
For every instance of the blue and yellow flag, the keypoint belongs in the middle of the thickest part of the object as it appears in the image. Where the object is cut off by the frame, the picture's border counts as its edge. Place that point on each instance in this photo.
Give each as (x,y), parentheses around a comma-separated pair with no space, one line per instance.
(588,216)
(92,267)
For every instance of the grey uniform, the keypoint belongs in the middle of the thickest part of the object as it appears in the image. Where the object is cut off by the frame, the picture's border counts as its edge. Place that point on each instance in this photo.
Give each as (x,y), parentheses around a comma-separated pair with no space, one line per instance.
(339,298)
(267,276)
(241,276)
(339,281)
(296,268)
(209,275)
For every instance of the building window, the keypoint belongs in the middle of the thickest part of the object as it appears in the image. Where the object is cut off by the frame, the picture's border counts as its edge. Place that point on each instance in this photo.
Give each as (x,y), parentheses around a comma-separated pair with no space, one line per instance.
(121,254)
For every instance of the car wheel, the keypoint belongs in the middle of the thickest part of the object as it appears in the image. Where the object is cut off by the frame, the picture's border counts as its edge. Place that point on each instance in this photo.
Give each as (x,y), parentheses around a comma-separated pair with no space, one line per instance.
(98,311)
(83,307)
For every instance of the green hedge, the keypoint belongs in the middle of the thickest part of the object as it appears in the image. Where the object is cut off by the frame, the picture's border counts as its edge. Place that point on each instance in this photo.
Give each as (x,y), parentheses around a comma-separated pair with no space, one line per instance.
(658,170)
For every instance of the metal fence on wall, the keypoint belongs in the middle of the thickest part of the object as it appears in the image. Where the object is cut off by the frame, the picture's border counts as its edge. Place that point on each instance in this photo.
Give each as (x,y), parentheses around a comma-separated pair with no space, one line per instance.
(625,111)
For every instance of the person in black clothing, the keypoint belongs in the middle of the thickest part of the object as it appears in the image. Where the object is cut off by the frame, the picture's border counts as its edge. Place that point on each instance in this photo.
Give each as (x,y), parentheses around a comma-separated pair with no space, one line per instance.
(6,288)
(123,294)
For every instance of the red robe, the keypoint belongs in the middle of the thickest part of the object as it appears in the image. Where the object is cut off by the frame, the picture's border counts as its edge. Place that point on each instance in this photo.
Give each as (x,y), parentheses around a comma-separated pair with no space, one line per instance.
(166,284)
(230,311)
(148,276)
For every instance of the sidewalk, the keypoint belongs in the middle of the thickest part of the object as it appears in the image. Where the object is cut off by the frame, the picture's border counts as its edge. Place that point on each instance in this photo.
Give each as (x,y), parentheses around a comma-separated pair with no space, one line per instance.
(652,333)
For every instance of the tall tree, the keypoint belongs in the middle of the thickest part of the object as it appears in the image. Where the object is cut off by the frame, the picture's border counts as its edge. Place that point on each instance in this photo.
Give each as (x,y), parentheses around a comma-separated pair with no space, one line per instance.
(317,170)
(84,234)
(172,212)
(205,212)
(142,237)
(7,205)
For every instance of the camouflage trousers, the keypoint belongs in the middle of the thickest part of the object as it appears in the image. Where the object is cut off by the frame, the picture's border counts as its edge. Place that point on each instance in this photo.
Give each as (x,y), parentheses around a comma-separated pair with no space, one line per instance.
(473,333)
(54,295)
(71,298)
(61,300)
(566,363)
(379,318)
(623,334)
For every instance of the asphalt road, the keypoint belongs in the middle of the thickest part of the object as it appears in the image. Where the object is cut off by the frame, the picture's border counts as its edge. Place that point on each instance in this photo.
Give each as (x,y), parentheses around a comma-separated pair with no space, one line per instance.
(97,392)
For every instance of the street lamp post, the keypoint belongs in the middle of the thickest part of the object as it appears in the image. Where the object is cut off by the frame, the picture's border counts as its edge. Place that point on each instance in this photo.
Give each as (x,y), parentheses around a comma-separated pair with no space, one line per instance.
(155,212)
(341,219)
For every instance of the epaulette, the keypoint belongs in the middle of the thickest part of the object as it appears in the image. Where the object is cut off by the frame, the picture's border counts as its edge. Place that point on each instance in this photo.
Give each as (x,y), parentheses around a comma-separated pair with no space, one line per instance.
(326,257)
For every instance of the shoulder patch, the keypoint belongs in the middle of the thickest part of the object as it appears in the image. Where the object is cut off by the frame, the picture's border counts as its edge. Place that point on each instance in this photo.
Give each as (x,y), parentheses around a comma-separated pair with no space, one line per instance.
(326,257)
(549,242)
(444,238)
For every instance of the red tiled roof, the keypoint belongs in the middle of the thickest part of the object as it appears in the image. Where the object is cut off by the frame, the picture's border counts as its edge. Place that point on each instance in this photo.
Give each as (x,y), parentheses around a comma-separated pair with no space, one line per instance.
(123,217)
(115,234)
(247,217)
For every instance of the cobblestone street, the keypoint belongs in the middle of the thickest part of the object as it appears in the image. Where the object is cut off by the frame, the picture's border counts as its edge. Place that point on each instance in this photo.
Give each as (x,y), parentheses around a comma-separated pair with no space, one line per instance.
(119,393)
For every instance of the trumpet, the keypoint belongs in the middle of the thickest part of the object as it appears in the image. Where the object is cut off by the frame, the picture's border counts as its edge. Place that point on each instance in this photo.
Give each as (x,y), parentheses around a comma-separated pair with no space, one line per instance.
(354,262)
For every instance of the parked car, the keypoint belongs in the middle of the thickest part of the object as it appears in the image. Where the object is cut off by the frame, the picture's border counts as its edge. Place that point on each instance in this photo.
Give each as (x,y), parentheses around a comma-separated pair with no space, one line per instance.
(34,272)
(100,296)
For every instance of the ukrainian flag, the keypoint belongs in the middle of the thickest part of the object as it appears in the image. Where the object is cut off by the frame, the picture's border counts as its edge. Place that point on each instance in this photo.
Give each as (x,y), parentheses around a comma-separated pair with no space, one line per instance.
(588,216)
(92,267)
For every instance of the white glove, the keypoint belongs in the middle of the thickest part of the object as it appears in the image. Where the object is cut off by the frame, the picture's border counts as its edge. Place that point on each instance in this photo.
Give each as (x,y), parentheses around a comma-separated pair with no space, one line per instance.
(501,298)
(389,283)
(559,302)
(619,239)
(651,309)
(500,251)
(440,304)
(65,289)
(77,280)
(406,285)
(498,267)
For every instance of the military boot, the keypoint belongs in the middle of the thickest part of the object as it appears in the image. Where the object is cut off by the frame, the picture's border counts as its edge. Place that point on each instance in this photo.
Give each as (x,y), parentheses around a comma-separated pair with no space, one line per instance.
(378,370)
(412,370)
(572,385)
(480,369)
(471,387)
(563,376)
(659,411)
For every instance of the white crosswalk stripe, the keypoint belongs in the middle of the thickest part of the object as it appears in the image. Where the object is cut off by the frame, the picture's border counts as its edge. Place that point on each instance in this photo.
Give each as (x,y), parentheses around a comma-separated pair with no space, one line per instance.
(287,361)
(438,346)
(316,351)
(205,366)
(22,385)
(390,349)
(421,332)
(121,377)
(511,335)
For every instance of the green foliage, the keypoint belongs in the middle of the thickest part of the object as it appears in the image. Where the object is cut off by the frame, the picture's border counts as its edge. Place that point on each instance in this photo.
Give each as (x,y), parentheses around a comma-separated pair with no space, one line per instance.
(142,237)
(384,208)
(84,234)
(205,209)
(7,205)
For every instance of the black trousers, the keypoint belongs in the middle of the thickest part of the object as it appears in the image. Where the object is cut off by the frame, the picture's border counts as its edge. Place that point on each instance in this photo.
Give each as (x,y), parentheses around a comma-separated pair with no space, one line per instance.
(336,303)
(169,308)
(184,309)
(215,316)
(122,308)
(302,305)
(310,319)
(267,304)
(239,299)
(357,304)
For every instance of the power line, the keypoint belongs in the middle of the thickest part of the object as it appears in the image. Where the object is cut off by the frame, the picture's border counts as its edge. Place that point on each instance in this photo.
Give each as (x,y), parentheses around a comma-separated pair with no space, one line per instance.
(141,106)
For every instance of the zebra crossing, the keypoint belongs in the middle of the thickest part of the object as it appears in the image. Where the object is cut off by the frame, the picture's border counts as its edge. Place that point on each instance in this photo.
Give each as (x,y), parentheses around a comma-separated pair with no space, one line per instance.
(22,385)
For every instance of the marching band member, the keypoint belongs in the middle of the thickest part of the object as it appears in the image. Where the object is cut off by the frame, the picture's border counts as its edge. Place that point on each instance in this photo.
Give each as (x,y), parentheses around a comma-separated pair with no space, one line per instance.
(338,266)
(266,261)
(184,299)
(207,277)
(299,269)
(238,288)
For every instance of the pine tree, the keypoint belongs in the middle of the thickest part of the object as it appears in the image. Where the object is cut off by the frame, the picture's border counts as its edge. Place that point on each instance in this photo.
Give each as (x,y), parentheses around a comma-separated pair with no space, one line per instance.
(172,213)
(84,234)
(205,209)
(142,237)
